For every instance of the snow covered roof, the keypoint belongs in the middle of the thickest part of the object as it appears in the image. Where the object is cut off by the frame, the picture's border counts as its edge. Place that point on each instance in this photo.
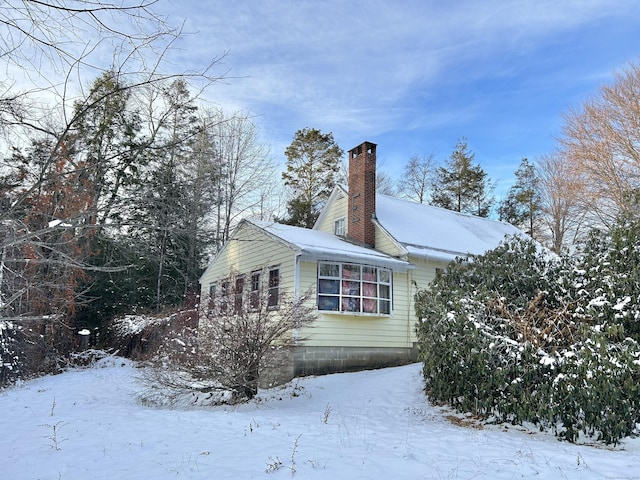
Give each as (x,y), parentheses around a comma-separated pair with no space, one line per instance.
(317,245)
(438,233)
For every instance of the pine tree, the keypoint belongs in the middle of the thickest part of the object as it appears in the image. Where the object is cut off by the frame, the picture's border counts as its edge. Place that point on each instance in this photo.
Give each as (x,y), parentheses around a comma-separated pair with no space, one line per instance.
(161,214)
(462,186)
(106,133)
(522,206)
(313,162)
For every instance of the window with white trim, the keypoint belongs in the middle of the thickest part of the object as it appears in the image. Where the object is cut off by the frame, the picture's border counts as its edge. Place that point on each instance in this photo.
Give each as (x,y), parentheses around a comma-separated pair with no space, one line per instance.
(339,228)
(238,294)
(256,288)
(212,295)
(349,287)
(273,297)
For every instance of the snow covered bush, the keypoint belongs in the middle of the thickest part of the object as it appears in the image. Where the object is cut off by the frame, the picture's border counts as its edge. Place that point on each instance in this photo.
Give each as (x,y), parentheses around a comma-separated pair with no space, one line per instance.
(518,335)
(141,336)
(609,282)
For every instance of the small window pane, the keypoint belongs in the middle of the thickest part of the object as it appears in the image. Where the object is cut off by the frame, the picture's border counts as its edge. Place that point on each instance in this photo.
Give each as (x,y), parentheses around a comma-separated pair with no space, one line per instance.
(351,272)
(385,292)
(384,276)
(350,304)
(369,305)
(328,286)
(329,270)
(369,289)
(350,288)
(385,307)
(369,274)
(328,303)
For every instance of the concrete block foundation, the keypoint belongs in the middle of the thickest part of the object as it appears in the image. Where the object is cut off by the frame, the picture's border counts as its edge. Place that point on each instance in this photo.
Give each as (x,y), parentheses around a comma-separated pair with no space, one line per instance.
(303,361)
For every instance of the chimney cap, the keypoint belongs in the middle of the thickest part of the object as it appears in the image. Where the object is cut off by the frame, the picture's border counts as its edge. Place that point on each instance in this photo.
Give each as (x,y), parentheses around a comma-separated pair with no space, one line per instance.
(365,146)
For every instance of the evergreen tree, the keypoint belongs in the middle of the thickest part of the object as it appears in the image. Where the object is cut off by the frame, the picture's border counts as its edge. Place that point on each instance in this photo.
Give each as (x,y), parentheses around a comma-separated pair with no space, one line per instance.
(313,162)
(161,216)
(462,186)
(106,134)
(522,207)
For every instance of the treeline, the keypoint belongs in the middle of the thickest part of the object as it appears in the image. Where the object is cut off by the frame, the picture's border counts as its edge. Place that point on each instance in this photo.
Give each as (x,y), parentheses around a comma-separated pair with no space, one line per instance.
(559,197)
(119,212)
(116,182)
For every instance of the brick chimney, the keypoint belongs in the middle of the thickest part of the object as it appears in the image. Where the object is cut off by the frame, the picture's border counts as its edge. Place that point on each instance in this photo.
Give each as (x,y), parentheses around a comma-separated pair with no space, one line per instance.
(362,193)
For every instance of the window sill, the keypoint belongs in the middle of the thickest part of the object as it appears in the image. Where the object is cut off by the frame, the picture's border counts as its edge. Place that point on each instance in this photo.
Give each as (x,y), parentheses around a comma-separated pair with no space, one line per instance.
(355,314)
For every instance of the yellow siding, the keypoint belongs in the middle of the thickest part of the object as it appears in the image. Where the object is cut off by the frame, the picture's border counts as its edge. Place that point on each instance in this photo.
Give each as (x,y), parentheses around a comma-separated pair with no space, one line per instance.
(386,245)
(336,209)
(248,250)
(252,249)
(425,270)
(423,274)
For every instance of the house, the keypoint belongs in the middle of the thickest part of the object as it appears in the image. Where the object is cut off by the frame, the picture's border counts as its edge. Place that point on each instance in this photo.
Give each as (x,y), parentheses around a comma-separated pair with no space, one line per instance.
(363,260)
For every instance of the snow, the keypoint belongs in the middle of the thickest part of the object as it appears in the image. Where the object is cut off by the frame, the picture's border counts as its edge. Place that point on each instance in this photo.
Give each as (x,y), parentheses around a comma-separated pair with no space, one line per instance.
(319,245)
(422,230)
(366,425)
(439,233)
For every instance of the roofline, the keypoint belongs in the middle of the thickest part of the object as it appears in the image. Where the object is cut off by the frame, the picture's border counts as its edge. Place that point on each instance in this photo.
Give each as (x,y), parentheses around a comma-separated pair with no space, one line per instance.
(382,260)
(396,243)
(440,250)
(394,264)
(249,224)
(324,211)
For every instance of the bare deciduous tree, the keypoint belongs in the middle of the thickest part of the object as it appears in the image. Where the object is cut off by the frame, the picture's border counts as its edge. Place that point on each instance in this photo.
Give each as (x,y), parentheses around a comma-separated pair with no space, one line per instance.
(245,170)
(385,184)
(560,192)
(419,175)
(601,141)
(240,332)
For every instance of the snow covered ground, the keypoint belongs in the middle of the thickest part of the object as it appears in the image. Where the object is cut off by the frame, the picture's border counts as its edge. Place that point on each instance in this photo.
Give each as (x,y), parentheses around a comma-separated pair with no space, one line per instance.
(88,424)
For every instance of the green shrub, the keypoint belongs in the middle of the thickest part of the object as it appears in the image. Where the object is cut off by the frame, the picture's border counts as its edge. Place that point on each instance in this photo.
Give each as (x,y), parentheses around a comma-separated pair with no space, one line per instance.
(519,335)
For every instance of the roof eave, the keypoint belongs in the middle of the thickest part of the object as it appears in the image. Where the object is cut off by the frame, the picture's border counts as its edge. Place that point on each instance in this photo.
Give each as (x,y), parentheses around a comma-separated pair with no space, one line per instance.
(347,257)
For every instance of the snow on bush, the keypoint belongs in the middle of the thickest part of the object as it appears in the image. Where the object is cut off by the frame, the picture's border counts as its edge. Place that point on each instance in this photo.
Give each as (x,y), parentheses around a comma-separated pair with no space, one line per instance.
(9,353)
(519,336)
(141,336)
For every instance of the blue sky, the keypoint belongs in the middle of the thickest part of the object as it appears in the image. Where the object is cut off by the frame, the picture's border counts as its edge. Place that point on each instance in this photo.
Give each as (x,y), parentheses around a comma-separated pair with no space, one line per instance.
(412,76)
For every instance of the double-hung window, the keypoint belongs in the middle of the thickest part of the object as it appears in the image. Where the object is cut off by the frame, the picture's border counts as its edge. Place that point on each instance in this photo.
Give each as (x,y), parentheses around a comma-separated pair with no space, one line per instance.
(256,288)
(224,295)
(273,298)
(238,295)
(348,287)
(212,296)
